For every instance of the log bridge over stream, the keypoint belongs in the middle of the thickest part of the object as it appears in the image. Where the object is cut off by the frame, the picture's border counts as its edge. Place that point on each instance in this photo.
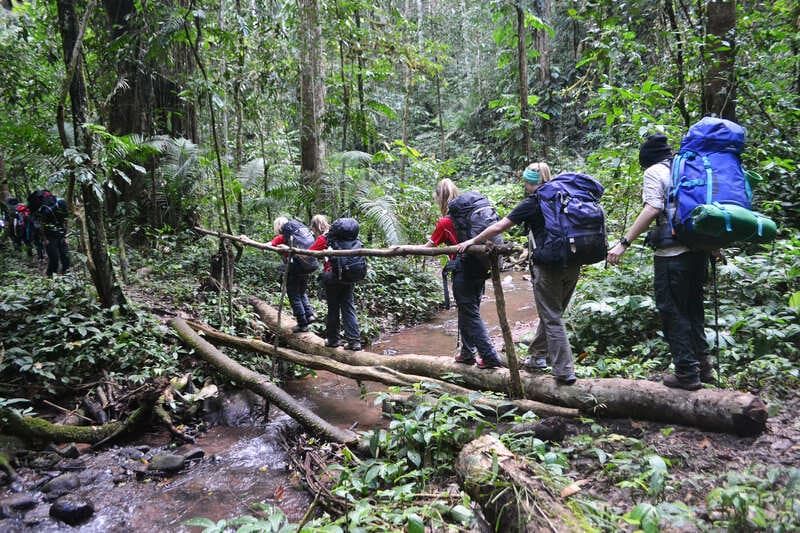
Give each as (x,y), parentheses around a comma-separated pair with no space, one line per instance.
(719,410)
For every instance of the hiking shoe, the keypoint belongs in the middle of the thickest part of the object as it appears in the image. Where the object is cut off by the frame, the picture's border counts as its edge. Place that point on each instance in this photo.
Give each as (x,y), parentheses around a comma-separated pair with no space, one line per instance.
(490,362)
(535,363)
(300,329)
(706,371)
(311,318)
(465,358)
(332,343)
(566,380)
(353,346)
(674,382)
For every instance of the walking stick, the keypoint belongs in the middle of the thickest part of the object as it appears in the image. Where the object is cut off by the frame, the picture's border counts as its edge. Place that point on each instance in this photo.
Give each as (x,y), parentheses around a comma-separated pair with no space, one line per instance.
(716,318)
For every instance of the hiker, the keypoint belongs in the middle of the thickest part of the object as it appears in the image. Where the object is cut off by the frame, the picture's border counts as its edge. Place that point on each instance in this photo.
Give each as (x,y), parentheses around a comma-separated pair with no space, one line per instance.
(679,272)
(50,217)
(339,276)
(295,234)
(557,254)
(469,276)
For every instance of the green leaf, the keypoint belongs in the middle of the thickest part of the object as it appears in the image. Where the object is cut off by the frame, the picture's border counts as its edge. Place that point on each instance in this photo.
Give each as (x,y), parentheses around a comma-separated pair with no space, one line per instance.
(415,524)
(414,457)
(794,301)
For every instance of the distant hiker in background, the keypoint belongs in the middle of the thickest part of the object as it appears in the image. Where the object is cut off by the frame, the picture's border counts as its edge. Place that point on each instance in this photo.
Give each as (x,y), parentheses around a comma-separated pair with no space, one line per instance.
(679,272)
(339,276)
(560,244)
(464,215)
(295,234)
(50,216)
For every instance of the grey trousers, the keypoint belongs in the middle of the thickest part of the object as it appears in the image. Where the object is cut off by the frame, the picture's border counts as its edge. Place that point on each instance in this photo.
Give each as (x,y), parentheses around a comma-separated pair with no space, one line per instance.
(552,290)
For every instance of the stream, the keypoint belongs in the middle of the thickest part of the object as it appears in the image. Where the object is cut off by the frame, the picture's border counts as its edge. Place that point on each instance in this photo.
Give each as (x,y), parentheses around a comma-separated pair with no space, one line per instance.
(241,463)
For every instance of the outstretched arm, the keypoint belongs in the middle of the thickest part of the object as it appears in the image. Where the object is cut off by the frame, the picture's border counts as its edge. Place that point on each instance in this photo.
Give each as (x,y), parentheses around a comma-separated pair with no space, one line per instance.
(495,229)
(642,222)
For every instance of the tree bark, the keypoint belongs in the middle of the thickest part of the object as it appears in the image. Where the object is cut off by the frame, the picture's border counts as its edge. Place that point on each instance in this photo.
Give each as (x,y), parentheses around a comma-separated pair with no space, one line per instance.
(377,374)
(522,66)
(261,385)
(710,409)
(512,491)
(312,93)
(719,88)
(543,47)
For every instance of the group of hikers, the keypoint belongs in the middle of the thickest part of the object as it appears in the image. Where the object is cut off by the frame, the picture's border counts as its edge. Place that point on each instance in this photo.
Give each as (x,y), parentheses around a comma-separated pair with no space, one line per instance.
(698,199)
(39,224)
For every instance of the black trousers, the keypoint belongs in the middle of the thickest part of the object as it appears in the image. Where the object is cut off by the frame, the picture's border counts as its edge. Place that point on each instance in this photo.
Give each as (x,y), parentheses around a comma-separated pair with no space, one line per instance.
(678,283)
(297,291)
(467,290)
(341,311)
(57,253)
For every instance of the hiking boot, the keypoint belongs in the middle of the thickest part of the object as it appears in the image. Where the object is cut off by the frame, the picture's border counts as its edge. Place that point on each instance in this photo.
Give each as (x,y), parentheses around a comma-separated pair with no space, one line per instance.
(466,358)
(300,329)
(535,363)
(706,371)
(311,318)
(490,362)
(566,380)
(674,382)
(353,346)
(332,343)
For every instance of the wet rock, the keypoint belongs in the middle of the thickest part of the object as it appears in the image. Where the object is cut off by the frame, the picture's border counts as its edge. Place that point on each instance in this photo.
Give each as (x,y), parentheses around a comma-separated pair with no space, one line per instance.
(236,408)
(19,502)
(144,448)
(71,465)
(70,451)
(131,453)
(61,484)
(72,510)
(45,461)
(166,462)
(190,452)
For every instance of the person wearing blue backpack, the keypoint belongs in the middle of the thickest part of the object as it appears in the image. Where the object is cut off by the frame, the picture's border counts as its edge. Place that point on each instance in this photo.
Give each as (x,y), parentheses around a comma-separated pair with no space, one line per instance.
(566,230)
(295,234)
(679,271)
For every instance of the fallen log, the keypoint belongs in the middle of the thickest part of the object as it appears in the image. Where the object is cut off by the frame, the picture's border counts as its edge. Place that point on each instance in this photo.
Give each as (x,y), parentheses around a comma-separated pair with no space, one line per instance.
(392,251)
(377,374)
(262,386)
(511,491)
(719,410)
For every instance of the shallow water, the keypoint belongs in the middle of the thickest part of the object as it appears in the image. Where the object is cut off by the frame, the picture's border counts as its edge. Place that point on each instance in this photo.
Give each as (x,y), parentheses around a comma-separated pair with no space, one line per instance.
(245,465)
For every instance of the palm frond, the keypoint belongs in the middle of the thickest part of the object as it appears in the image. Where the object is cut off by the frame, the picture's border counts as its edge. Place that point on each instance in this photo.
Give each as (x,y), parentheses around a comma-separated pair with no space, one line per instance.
(380,209)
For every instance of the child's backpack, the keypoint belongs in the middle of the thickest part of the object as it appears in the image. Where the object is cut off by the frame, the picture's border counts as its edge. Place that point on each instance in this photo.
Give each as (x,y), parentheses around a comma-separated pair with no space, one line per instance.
(574,222)
(710,197)
(472,213)
(50,211)
(21,222)
(343,235)
(297,235)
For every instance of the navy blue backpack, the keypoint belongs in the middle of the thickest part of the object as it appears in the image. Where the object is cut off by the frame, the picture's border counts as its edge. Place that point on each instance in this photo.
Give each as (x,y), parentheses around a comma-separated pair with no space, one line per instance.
(297,235)
(343,235)
(574,222)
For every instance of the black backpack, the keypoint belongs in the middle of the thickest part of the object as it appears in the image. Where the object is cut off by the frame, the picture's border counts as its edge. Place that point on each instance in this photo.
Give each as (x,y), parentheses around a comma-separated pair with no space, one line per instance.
(297,235)
(472,213)
(50,211)
(343,235)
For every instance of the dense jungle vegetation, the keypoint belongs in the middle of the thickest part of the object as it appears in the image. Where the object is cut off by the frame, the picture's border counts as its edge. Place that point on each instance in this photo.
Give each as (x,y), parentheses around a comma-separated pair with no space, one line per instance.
(150,118)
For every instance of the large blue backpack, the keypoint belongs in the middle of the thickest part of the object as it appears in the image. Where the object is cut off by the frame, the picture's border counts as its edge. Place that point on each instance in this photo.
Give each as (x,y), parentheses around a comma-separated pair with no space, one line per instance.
(343,235)
(574,222)
(710,199)
(297,235)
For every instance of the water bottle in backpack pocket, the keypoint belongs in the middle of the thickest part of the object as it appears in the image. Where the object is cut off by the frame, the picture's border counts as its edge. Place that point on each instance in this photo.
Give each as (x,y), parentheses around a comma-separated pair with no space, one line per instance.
(472,213)
(574,230)
(343,235)
(710,193)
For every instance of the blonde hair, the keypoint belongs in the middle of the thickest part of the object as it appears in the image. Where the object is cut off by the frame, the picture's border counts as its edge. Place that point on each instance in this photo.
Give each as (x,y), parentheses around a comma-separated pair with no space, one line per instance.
(319,224)
(445,191)
(279,223)
(542,169)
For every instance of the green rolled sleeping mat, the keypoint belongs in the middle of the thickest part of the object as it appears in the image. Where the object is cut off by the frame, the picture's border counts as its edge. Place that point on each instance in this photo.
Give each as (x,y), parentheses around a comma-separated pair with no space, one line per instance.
(729,223)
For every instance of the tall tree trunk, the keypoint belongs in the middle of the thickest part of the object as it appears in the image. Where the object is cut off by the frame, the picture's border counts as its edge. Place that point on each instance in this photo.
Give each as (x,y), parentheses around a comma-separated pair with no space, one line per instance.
(719,88)
(101,268)
(543,47)
(363,140)
(679,65)
(312,92)
(442,151)
(522,66)
(4,190)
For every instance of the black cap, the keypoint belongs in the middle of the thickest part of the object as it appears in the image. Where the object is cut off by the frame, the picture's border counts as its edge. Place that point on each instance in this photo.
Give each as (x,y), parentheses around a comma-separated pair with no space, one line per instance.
(654,150)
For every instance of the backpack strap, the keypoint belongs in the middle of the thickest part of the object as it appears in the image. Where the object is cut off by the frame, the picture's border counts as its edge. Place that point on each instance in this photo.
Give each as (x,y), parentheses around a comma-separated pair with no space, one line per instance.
(709,180)
(726,215)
